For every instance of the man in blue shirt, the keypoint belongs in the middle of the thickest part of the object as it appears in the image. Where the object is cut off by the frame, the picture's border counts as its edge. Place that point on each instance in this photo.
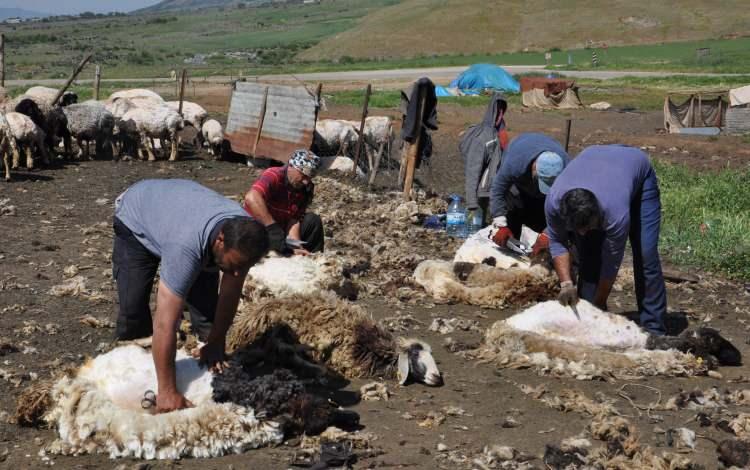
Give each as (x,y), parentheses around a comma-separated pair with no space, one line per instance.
(189,233)
(528,169)
(605,196)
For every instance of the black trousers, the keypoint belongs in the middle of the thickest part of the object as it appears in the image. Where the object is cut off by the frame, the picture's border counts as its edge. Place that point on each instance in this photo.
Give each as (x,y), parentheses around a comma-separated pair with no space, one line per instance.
(311,232)
(134,269)
(525,210)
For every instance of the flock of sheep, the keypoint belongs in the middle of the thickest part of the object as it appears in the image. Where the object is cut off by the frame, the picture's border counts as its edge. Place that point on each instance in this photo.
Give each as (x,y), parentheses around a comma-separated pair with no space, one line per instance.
(129,122)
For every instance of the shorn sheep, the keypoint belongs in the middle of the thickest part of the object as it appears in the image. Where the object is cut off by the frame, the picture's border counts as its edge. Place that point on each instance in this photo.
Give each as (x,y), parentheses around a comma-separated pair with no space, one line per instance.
(337,334)
(591,343)
(212,134)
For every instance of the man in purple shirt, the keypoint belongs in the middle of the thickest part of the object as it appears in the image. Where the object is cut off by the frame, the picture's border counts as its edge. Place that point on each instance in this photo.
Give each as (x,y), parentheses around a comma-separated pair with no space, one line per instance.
(607,194)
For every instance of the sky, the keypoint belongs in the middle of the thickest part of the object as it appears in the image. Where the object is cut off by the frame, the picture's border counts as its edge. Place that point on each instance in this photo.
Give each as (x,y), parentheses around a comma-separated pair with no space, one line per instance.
(58,7)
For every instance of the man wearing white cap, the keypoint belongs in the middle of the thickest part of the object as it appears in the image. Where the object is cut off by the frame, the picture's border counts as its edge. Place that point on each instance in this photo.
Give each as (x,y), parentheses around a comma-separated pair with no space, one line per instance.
(279,199)
(529,167)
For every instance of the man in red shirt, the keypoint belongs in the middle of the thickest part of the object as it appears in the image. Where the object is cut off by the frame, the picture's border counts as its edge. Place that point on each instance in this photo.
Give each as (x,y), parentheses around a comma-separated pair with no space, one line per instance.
(279,199)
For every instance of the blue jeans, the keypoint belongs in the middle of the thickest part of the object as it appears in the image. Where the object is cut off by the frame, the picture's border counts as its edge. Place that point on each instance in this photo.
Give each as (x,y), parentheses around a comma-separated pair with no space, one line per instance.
(650,291)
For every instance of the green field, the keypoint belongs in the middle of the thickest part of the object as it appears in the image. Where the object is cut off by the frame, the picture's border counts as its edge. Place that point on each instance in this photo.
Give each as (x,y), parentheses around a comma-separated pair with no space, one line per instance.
(292,38)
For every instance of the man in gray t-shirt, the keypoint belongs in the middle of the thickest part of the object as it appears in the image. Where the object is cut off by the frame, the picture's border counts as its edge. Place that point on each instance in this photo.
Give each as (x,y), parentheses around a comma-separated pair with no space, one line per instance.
(190,233)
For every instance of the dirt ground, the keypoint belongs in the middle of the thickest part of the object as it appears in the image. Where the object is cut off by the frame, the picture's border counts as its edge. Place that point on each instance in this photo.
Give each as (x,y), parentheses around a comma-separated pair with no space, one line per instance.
(62,217)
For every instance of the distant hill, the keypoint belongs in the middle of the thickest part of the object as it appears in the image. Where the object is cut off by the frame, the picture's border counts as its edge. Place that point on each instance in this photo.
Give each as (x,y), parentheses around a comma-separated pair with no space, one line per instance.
(178,5)
(19,13)
(437,27)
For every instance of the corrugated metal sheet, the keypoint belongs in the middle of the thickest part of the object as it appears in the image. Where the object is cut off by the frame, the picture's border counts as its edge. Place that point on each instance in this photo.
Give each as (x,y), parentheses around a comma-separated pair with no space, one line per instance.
(289,122)
(737,120)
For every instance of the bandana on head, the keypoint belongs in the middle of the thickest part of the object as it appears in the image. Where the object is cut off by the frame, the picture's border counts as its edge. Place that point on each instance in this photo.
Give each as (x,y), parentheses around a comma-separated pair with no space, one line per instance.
(305,161)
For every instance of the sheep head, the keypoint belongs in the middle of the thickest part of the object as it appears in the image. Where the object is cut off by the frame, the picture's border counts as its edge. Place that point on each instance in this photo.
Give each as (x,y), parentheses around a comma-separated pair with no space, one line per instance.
(415,362)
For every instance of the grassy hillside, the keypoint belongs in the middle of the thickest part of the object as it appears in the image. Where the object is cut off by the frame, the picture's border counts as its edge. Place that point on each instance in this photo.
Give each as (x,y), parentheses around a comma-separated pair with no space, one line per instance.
(439,27)
(152,45)
(178,5)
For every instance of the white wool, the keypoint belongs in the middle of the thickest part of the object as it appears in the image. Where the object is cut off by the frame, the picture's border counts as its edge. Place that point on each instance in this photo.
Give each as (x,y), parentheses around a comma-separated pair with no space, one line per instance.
(136,93)
(342,164)
(592,327)
(213,132)
(551,339)
(335,134)
(294,275)
(479,247)
(42,93)
(98,411)
(155,122)
(486,286)
(23,128)
(193,113)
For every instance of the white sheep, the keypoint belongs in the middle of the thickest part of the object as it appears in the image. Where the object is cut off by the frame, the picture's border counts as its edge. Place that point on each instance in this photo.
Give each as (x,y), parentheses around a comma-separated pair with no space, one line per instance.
(28,136)
(212,135)
(334,137)
(98,410)
(158,122)
(588,342)
(378,139)
(280,276)
(45,95)
(137,93)
(193,113)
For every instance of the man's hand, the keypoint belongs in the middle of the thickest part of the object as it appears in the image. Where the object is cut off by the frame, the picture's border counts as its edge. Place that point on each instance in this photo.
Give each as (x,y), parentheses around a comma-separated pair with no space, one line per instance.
(171,401)
(502,236)
(568,296)
(214,357)
(276,238)
(541,244)
(301,252)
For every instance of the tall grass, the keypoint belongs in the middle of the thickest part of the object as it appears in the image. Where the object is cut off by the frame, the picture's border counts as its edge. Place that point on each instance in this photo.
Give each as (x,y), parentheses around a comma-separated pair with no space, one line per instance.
(706,218)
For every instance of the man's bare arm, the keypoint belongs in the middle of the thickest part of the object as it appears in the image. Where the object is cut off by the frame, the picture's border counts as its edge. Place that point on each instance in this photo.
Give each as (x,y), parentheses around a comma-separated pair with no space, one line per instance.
(562,267)
(257,205)
(164,346)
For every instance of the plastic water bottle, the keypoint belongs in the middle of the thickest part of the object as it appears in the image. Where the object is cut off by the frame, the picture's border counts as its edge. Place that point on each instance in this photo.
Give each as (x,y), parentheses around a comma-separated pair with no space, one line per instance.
(474,221)
(455,220)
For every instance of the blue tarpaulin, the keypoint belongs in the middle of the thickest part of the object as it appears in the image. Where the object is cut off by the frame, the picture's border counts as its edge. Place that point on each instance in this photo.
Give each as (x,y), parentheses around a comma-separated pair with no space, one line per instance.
(486,76)
(442,91)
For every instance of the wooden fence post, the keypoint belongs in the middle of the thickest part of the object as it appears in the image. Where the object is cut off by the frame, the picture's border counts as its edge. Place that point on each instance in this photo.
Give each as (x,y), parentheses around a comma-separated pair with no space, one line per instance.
(261,118)
(411,149)
(97,81)
(2,60)
(70,80)
(567,134)
(361,138)
(182,90)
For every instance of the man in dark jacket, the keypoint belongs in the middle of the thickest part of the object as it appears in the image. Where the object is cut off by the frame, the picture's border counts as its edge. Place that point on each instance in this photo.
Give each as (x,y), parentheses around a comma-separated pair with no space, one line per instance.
(529,167)
(607,195)
(481,147)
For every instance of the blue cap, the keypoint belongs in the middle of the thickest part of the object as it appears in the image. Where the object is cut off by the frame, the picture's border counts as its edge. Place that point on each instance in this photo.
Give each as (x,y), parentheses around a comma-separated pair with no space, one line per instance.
(548,166)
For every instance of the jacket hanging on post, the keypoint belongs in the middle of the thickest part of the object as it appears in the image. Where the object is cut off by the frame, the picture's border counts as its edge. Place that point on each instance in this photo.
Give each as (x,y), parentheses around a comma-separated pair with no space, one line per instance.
(481,148)
(410,109)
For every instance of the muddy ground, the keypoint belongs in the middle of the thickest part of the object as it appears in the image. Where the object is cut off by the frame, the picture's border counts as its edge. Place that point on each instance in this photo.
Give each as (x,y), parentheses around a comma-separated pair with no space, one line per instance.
(62,217)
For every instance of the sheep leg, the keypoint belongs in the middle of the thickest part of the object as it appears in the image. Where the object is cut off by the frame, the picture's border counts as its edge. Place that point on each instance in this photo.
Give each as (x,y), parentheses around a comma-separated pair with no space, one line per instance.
(16,153)
(4,144)
(175,145)
(29,157)
(88,150)
(79,142)
(115,155)
(148,143)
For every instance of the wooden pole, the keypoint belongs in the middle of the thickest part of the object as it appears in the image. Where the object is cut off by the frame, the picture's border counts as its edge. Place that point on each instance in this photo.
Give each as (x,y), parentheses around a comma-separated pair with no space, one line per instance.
(2,60)
(567,134)
(318,96)
(97,81)
(182,90)
(413,148)
(261,118)
(72,77)
(361,139)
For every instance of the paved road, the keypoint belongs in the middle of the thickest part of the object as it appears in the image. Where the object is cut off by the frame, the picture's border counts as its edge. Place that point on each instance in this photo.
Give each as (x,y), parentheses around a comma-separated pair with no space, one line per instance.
(437,74)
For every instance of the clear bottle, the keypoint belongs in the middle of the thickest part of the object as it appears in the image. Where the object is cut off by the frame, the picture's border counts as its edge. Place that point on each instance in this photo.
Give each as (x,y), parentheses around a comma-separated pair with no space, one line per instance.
(474,221)
(455,220)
